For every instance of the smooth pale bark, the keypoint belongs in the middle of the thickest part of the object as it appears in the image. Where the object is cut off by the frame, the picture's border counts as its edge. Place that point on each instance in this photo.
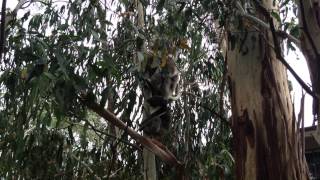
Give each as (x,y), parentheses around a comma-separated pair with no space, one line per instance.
(149,159)
(266,143)
(309,19)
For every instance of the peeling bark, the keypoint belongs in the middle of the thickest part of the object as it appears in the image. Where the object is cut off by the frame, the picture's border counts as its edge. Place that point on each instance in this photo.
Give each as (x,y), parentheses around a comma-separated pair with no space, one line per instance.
(266,142)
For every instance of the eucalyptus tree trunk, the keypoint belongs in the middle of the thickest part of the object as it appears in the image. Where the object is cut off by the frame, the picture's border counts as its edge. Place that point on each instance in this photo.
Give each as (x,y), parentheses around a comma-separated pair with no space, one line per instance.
(149,159)
(309,19)
(265,135)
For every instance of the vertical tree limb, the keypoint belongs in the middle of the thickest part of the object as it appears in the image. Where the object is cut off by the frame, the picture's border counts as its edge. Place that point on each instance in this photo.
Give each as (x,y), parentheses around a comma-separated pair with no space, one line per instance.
(3,28)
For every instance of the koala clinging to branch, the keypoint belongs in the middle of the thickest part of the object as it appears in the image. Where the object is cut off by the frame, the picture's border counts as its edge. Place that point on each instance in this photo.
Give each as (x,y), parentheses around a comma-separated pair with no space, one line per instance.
(158,116)
(160,86)
(163,82)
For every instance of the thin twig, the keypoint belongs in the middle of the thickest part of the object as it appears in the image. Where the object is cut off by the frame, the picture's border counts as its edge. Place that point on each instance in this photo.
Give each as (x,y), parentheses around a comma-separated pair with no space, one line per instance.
(216,114)
(112,136)
(209,109)
(86,166)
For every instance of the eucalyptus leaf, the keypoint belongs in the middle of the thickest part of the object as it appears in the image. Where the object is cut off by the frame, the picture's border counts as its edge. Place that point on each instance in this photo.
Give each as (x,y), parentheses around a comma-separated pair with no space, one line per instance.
(276,16)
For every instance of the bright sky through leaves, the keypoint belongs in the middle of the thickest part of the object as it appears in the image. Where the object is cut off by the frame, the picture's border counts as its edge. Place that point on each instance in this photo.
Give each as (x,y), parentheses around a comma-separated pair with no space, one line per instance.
(297,62)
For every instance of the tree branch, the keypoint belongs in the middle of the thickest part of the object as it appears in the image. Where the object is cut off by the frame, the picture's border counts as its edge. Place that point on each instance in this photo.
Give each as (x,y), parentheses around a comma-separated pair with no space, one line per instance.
(2,30)
(301,121)
(277,50)
(151,144)
(266,26)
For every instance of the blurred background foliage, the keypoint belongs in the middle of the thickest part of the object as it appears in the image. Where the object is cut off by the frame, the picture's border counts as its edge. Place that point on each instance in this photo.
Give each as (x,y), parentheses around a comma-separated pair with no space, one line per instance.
(55,49)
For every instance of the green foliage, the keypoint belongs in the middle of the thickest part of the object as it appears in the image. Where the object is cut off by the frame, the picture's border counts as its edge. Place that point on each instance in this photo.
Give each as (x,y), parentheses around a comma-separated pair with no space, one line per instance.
(276,16)
(77,46)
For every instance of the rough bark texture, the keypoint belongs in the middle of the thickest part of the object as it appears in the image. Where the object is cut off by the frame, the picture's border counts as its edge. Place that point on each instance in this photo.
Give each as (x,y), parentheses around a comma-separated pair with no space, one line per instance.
(309,19)
(266,143)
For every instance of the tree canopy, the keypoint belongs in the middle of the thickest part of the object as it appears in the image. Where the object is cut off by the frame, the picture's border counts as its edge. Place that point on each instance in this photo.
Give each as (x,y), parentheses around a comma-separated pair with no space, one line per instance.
(54,50)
